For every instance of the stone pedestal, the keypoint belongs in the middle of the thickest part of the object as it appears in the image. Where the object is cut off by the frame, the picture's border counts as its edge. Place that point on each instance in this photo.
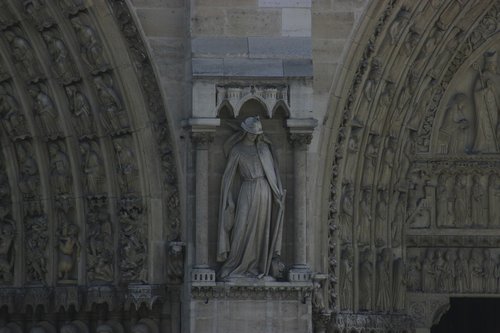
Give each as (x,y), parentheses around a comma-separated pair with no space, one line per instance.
(263,307)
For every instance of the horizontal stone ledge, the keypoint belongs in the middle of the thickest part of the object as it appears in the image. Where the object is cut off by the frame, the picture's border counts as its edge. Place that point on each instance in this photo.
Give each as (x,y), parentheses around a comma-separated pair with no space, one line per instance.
(244,67)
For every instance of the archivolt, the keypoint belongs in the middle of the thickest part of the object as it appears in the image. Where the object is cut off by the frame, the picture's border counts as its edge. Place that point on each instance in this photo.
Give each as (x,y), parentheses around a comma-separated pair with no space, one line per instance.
(88,165)
(394,86)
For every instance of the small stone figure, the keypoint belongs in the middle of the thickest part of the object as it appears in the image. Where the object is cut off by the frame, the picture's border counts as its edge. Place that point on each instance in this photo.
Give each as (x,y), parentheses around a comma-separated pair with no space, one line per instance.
(12,118)
(479,203)
(462,271)
(477,272)
(449,274)
(384,280)
(398,285)
(37,11)
(398,218)
(29,182)
(71,6)
(381,219)
(62,64)
(414,274)
(364,219)
(371,154)
(428,272)
(114,118)
(346,213)
(24,56)
(455,126)
(81,110)
(90,46)
(248,252)
(175,262)
(387,164)
(346,280)
(7,235)
(92,168)
(45,112)
(127,165)
(60,171)
(37,239)
(489,267)
(69,251)
(100,250)
(365,280)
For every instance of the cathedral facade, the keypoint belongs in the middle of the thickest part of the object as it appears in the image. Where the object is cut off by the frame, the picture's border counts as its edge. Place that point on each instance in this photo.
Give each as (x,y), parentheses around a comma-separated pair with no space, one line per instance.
(174,166)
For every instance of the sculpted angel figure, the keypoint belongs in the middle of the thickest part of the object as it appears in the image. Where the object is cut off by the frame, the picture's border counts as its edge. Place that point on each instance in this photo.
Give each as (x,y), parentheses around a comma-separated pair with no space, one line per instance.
(250,227)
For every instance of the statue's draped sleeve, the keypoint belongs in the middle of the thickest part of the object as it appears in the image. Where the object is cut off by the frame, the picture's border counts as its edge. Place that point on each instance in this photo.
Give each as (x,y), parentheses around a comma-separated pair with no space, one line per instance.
(227,206)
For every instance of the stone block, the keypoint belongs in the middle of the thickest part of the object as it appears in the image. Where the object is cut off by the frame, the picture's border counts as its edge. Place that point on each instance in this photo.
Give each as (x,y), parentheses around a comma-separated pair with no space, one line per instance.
(159,3)
(332,25)
(207,21)
(285,3)
(323,77)
(253,67)
(253,22)
(162,22)
(279,47)
(225,3)
(171,48)
(298,68)
(296,22)
(207,67)
(219,46)
(348,5)
(328,50)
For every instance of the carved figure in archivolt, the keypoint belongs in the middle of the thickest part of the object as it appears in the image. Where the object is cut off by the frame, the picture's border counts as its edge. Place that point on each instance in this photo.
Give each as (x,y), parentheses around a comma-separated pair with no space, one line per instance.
(454,133)
(90,46)
(352,154)
(381,218)
(369,92)
(62,63)
(418,203)
(479,202)
(60,171)
(71,6)
(407,155)
(45,112)
(114,118)
(462,271)
(365,280)
(346,213)
(248,252)
(23,55)
(38,13)
(384,280)
(421,105)
(371,154)
(449,273)
(398,284)
(384,103)
(7,251)
(133,243)
(429,46)
(92,167)
(439,271)
(127,164)
(99,249)
(37,240)
(486,98)
(387,164)
(81,110)
(346,279)
(365,218)
(69,251)
(398,217)
(13,120)
(29,181)
(7,18)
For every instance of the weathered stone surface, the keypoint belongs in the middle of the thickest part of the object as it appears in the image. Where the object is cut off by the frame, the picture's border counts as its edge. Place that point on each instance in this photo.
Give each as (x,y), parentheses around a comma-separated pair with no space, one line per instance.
(219,46)
(253,67)
(253,22)
(296,22)
(158,22)
(285,3)
(208,67)
(279,47)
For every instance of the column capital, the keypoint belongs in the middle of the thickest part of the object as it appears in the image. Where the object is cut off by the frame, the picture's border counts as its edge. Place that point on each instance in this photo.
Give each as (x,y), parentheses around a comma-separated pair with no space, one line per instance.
(300,131)
(202,130)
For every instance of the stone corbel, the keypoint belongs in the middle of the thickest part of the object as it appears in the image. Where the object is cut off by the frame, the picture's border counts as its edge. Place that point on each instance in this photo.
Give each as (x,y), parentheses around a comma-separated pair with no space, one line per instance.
(202,135)
(300,136)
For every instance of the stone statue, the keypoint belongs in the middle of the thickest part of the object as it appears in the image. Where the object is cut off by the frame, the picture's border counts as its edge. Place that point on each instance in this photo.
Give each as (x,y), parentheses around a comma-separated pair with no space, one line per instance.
(477,273)
(7,235)
(133,243)
(127,164)
(443,219)
(365,280)
(92,167)
(352,155)
(413,274)
(114,118)
(449,274)
(36,242)
(461,201)
(479,203)
(71,6)
(428,272)
(381,219)
(387,164)
(99,249)
(364,219)
(486,97)
(346,213)
(455,126)
(384,103)
(60,171)
(69,251)
(81,110)
(371,155)
(248,251)
(38,12)
(439,271)
(24,56)
(497,275)
(489,266)
(90,46)
(12,118)
(45,112)
(398,284)
(398,217)
(29,182)
(462,271)
(62,64)
(384,281)
(345,291)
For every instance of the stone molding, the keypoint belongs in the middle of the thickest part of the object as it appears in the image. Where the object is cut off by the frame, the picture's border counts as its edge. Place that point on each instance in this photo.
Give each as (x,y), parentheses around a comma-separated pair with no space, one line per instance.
(255,291)
(372,322)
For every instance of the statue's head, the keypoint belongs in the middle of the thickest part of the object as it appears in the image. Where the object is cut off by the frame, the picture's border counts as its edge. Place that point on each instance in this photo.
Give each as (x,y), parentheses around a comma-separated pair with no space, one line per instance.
(252,125)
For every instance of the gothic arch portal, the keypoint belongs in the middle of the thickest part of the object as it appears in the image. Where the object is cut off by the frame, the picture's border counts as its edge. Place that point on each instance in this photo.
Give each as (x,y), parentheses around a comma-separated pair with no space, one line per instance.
(412,215)
(89,196)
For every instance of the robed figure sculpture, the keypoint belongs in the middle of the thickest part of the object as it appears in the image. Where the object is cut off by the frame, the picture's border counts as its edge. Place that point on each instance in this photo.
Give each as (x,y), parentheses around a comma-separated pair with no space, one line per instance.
(250,226)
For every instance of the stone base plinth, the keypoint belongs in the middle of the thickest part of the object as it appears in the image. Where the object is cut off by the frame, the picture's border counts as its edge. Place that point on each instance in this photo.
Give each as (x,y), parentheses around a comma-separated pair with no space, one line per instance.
(264,307)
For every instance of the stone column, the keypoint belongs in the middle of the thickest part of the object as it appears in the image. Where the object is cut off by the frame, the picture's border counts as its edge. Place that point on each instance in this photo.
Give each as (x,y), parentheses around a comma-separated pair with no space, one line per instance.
(300,136)
(202,135)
